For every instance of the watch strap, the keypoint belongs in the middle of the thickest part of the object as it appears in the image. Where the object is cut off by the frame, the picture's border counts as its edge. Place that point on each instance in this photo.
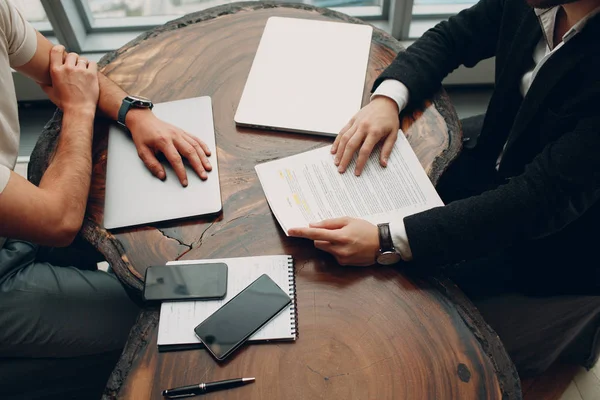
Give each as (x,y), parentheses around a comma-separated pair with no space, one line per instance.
(385,238)
(123,110)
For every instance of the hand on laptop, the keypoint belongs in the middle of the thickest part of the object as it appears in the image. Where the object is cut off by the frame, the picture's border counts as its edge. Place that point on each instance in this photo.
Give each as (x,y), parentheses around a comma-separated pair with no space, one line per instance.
(351,241)
(375,122)
(152,136)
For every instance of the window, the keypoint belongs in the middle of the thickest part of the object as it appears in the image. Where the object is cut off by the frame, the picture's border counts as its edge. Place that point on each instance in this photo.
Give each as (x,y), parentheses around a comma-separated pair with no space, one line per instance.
(104,25)
(147,8)
(426,13)
(34,12)
(107,14)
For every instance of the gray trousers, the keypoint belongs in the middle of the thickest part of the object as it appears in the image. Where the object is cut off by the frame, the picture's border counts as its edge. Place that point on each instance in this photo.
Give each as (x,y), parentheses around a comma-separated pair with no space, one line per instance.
(62,328)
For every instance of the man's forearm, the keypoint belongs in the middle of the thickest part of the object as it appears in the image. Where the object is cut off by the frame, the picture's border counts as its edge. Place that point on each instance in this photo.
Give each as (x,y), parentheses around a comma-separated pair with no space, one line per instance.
(111,97)
(466,38)
(69,173)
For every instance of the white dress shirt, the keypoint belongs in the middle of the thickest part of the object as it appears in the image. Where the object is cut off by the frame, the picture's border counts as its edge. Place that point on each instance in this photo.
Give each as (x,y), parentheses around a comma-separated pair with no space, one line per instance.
(398,92)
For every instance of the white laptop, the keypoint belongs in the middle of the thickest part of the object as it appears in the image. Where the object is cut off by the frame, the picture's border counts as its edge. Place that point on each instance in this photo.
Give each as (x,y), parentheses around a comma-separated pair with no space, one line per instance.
(134,196)
(307,76)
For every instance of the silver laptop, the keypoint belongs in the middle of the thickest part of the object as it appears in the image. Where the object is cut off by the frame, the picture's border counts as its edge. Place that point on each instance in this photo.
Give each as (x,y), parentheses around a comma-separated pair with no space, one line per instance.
(307,76)
(134,196)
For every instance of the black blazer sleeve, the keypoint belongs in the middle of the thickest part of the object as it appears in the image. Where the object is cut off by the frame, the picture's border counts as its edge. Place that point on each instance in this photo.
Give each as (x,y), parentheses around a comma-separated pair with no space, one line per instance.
(554,190)
(466,38)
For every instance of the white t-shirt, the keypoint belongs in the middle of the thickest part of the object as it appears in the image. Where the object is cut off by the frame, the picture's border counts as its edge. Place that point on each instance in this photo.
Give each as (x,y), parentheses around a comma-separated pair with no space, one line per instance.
(18,44)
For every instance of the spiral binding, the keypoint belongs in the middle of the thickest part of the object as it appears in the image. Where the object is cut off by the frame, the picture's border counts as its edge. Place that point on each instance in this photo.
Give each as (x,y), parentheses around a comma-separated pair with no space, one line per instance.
(293,308)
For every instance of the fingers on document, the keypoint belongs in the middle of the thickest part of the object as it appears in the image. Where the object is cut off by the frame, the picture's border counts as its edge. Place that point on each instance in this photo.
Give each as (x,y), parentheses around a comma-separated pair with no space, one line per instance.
(333,223)
(341,145)
(388,146)
(347,147)
(336,142)
(364,153)
(314,234)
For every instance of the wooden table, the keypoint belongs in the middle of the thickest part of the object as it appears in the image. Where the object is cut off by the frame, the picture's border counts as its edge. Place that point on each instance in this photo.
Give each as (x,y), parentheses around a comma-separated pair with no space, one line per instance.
(365,333)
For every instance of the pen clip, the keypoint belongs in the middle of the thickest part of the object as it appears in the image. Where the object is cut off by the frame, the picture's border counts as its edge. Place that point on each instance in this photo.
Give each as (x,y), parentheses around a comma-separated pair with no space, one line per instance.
(179,396)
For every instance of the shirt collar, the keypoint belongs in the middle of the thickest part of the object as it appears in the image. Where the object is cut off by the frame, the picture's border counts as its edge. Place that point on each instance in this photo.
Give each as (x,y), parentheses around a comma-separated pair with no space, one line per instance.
(547,18)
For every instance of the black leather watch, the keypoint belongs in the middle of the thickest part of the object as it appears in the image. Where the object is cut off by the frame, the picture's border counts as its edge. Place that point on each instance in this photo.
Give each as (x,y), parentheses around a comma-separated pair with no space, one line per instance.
(387,254)
(128,103)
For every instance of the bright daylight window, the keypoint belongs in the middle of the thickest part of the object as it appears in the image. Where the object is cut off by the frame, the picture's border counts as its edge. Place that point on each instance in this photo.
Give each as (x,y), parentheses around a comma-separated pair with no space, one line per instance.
(103,25)
(34,12)
(107,13)
(426,13)
(147,8)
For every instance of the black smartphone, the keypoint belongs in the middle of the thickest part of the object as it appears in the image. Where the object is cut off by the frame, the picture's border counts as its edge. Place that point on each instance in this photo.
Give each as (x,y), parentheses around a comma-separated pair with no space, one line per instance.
(186,282)
(232,324)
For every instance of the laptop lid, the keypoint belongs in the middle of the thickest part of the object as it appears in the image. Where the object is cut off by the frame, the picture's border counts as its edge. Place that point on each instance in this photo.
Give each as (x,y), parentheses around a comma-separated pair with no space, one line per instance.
(134,196)
(307,76)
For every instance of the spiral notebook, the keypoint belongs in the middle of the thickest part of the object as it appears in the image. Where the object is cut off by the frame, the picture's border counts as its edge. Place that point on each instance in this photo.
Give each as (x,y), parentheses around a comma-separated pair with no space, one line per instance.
(178,319)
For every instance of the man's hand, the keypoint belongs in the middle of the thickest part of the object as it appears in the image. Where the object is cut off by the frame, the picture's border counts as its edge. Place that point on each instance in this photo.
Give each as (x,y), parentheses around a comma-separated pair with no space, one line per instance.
(375,122)
(152,136)
(352,241)
(74,82)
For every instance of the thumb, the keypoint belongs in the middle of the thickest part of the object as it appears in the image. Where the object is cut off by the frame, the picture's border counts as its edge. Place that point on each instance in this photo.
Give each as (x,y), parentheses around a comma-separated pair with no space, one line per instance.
(334,223)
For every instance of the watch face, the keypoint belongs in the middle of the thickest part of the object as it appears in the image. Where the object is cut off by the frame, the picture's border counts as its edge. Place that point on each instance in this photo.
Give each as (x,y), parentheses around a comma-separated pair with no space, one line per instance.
(140,98)
(388,258)
(141,101)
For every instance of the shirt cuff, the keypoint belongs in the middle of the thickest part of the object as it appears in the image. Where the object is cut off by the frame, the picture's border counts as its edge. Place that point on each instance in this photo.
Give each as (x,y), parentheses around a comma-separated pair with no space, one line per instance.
(394,90)
(400,239)
(4,177)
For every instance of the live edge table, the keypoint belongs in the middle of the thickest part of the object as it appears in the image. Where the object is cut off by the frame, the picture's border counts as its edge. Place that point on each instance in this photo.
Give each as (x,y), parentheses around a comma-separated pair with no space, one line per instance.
(364,333)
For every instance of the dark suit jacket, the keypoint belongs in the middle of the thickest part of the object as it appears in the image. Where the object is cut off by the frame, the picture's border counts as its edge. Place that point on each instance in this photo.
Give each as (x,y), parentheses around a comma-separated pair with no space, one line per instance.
(549,204)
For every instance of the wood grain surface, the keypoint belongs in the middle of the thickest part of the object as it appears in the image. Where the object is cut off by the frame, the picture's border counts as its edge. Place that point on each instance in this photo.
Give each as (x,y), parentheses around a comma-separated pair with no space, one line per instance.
(365,333)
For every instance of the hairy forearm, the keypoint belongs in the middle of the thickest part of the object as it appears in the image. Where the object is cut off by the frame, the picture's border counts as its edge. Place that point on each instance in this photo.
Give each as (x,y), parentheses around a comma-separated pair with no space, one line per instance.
(68,176)
(111,97)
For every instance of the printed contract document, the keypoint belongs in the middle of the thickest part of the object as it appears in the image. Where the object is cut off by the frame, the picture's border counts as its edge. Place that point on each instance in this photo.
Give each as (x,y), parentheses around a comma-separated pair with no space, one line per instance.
(307,187)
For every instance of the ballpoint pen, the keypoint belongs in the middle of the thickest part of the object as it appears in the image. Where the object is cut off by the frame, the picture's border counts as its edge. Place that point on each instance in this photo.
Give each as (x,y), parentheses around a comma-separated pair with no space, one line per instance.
(202,388)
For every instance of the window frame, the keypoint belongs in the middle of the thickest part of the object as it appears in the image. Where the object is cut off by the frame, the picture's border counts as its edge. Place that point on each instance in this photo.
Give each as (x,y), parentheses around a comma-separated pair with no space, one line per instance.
(44,27)
(97,25)
(75,27)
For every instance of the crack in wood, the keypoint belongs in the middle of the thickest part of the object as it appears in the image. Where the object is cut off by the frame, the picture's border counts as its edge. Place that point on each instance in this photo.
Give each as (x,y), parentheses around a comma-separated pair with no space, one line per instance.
(179,257)
(375,362)
(241,217)
(326,378)
(302,267)
(198,242)
(189,246)
(201,238)
(335,376)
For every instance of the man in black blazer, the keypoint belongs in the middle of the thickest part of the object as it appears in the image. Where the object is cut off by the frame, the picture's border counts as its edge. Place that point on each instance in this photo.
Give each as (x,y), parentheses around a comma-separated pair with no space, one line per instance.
(522,210)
